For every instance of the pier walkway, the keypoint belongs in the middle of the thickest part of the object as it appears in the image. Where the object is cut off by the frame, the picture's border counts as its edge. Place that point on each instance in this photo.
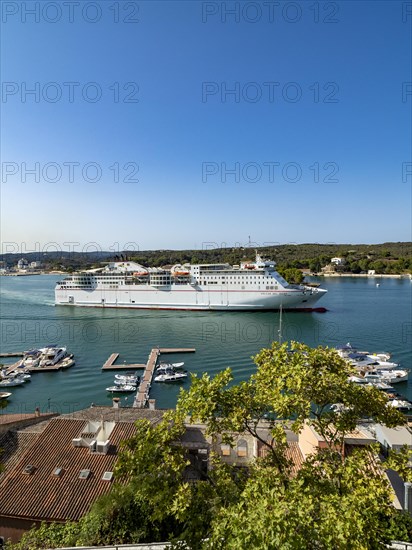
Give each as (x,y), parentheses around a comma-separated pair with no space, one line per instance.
(109,364)
(142,396)
(15,367)
(176,350)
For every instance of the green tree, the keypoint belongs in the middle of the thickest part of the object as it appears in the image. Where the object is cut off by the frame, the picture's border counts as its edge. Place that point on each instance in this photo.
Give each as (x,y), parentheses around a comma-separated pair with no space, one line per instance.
(315,265)
(355,267)
(291,274)
(335,501)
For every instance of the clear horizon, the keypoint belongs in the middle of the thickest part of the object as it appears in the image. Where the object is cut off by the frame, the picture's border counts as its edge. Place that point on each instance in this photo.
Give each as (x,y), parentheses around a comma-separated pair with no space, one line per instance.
(174,124)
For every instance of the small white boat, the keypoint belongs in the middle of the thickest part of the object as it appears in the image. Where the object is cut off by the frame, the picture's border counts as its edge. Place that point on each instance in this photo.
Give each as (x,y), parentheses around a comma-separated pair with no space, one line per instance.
(9,382)
(31,358)
(121,388)
(171,377)
(4,394)
(21,375)
(387,376)
(128,377)
(67,361)
(171,365)
(381,355)
(353,354)
(126,381)
(50,355)
(384,365)
(401,404)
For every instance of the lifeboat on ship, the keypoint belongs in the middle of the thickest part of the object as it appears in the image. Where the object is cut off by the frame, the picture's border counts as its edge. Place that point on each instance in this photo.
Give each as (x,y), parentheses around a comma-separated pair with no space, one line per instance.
(179,271)
(250,266)
(140,274)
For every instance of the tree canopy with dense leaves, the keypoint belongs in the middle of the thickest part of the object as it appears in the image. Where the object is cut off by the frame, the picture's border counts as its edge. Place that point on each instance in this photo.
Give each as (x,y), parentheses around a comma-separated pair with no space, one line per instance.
(336,500)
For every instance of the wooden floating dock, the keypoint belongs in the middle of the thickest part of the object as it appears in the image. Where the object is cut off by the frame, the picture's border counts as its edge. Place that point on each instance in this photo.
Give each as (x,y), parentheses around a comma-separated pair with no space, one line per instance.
(109,365)
(142,396)
(110,361)
(125,366)
(176,350)
(12,354)
(49,368)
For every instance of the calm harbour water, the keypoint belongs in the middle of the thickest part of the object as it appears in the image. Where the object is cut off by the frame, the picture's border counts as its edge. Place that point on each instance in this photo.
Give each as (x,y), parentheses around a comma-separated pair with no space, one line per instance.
(370,317)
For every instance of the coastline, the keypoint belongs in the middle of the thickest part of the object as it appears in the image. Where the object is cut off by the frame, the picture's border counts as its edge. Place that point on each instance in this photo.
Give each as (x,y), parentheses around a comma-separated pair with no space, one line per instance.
(375,276)
(31,274)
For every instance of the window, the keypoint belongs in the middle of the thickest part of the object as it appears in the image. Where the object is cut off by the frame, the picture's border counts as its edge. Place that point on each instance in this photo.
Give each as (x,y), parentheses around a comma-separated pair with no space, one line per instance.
(242,448)
(225,450)
(107,476)
(84,474)
(29,469)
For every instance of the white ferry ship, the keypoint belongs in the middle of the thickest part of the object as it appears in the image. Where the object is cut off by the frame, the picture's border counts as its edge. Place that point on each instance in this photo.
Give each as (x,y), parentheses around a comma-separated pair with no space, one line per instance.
(248,286)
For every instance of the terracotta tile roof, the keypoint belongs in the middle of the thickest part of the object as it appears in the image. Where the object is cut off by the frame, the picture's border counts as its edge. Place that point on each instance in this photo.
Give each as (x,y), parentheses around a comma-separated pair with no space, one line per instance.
(42,495)
(125,414)
(13,445)
(294,454)
(17,417)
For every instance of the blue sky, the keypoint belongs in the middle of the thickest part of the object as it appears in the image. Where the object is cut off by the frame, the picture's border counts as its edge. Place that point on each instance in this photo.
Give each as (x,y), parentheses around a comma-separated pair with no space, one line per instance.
(308,147)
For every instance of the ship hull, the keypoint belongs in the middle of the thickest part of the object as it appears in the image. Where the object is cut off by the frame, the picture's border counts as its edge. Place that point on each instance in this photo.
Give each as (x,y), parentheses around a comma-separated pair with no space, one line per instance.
(201,299)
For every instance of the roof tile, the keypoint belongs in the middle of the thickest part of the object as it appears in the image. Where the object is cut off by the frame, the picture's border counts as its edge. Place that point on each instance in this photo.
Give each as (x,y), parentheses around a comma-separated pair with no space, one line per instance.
(43,495)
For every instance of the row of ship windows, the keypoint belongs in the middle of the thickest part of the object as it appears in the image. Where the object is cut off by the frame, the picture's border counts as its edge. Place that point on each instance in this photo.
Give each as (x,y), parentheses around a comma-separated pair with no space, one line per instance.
(166,278)
(114,284)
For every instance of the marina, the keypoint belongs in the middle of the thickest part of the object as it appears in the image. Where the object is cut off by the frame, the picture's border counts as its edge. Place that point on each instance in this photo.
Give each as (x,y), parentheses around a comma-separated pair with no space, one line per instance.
(221,339)
(64,362)
(142,396)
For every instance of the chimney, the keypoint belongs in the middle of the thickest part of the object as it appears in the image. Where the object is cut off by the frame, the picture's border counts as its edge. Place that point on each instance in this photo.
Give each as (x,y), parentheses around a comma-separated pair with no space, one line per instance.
(152,404)
(116,403)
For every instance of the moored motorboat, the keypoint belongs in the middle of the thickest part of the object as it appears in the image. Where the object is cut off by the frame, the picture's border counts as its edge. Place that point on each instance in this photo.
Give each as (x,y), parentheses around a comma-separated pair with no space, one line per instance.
(121,388)
(364,359)
(388,376)
(171,377)
(127,381)
(171,365)
(20,375)
(375,356)
(51,354)
(31,358)
(10,382)
(169,370)
(128,378)
(4,394)
(401,405)
(67,362)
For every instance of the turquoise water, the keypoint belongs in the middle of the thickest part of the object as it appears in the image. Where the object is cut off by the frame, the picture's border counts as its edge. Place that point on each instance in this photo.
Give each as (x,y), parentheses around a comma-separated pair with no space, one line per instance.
(370,317)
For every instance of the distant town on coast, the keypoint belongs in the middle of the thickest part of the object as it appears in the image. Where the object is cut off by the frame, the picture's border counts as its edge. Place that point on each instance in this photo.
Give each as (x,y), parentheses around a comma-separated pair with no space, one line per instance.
(294,261)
